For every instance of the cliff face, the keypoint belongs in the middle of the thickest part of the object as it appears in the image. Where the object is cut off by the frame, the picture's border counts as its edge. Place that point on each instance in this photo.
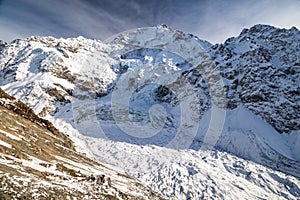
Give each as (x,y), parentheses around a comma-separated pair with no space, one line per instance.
(262,68)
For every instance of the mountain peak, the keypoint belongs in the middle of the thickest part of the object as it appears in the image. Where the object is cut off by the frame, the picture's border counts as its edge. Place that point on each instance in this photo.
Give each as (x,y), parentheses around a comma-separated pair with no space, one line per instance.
(263,29)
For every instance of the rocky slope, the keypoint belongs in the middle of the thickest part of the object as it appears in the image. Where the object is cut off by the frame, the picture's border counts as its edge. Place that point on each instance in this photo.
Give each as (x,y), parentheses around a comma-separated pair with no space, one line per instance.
(162,87)
(262,69)
(39,162)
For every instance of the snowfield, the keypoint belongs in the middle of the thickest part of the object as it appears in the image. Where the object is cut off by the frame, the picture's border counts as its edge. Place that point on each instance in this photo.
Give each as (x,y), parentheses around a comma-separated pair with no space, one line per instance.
(193,173)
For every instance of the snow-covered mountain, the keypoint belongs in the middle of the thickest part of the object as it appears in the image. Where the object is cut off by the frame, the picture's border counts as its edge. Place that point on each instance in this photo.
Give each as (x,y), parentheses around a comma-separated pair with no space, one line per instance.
(154,101)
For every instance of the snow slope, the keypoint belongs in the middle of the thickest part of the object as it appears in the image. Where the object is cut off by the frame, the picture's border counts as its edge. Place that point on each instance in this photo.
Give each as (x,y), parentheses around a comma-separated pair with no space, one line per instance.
(193,173)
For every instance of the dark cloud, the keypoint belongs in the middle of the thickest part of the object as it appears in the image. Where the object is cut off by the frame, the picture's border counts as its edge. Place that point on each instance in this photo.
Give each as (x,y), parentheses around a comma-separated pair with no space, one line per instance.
(211,20)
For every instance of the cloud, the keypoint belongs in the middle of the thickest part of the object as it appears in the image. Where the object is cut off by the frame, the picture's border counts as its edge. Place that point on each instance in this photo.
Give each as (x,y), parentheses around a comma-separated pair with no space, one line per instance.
(222,20)
(211,20)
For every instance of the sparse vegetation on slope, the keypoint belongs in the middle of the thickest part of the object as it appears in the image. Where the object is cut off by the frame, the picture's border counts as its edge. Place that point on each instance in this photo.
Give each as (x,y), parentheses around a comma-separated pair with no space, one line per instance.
(39,162)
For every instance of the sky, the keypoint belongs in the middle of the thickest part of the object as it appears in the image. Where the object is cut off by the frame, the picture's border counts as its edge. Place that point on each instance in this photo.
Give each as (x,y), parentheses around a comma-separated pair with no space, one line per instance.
(211,20)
